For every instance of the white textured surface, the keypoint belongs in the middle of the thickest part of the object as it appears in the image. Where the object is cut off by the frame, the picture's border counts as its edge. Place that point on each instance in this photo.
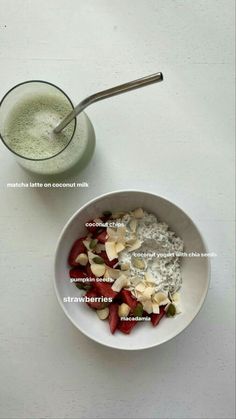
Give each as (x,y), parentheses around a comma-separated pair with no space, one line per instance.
(175,139)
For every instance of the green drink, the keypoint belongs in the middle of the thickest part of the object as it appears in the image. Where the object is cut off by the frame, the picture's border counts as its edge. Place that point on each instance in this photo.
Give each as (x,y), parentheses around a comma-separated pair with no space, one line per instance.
(29,127)
(27,123)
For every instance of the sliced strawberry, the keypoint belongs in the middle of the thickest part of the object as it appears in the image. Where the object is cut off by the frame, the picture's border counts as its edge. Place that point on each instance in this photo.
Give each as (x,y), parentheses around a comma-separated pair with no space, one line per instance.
(125,326)
(89,271)
(108,262)
(92,229)
(128,299)
(113,317)
(100,230)
(118,299)
(102,237)
(155,318)
(77,248)
(78,273)
(106,216)
(104,289)
(97,305)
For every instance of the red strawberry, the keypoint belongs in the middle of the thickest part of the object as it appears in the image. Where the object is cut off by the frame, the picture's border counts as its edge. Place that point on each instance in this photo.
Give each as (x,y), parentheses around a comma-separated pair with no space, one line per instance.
(92,229)
(108,262)
(102,237)
(155,318)
(77,248)
(104,289)
(80,275)
(128,299)
(77,273)
(104,218)
(97,305)
(125,326)
(113,317)
(89,271)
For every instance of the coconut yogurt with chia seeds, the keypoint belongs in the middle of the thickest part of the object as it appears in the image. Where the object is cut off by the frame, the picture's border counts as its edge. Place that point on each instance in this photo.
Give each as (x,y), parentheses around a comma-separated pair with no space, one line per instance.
(155,257)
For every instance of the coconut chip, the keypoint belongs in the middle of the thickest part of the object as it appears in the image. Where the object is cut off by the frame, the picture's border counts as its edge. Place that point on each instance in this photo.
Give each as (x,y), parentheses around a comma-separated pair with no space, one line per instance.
(112,273)
(135,246)
(111,250)
(121,282)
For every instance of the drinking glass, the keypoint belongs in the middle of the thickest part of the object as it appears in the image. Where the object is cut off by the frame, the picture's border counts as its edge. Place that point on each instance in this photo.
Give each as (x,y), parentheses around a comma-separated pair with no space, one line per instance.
(78,147)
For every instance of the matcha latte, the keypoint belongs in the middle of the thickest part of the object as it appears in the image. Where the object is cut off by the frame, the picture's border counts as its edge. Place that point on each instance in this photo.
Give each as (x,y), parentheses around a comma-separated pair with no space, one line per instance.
(29,127)
(29,113)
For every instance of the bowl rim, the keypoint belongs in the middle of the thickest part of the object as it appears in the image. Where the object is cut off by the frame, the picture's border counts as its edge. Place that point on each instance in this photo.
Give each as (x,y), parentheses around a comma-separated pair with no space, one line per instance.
(74,215)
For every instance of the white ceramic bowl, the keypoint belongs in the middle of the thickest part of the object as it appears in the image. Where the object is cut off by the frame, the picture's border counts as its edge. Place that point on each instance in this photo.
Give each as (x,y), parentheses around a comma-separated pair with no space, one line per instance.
(195,271)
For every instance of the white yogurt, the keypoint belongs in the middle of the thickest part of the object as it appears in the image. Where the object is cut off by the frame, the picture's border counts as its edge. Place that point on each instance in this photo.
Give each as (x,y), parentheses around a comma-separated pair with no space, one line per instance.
(157,242)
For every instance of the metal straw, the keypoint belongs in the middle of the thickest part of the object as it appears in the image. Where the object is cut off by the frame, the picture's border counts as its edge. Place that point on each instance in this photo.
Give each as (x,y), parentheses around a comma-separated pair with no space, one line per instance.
(117,90)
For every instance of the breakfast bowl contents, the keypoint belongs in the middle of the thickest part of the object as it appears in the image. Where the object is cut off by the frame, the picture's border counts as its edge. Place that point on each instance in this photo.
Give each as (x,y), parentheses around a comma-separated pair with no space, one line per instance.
(126,274)
(128,268)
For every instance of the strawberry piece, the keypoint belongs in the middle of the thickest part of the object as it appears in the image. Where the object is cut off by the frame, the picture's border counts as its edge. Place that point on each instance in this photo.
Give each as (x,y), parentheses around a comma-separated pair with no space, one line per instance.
(104,218)
(77,248)
(89,271)
(100,230)
(113,317)
(97,305)
(155,318)
(77,273)
(125,326)
(128,299)
(102,237)
(110,263)
(92,229)
(104,289)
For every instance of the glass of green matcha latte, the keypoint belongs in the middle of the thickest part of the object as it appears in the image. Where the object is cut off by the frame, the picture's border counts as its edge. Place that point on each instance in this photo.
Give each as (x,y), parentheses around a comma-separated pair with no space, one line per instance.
(29,112)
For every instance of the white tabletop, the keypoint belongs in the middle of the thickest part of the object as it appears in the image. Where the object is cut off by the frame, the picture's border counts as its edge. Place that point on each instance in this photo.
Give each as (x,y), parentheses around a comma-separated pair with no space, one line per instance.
(174,139)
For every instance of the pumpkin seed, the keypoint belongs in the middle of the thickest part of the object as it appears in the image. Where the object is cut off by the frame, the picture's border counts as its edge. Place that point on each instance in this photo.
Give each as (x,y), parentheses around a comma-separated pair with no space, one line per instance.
(98,260)
(171,310)
(93,244)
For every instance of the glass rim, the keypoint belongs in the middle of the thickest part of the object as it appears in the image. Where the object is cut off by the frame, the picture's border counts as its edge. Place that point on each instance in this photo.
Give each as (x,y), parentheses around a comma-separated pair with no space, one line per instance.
(58,88)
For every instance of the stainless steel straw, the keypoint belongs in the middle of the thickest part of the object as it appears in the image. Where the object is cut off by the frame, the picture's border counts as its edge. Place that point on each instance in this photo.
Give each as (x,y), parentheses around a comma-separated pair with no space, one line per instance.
(113,91)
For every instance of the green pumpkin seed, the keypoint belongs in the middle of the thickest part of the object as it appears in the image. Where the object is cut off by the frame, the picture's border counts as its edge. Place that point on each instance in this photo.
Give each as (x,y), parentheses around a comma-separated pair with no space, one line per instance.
(79,285)
(93,244)
(171,310)
(138,311)
(98,260)
(83,286)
